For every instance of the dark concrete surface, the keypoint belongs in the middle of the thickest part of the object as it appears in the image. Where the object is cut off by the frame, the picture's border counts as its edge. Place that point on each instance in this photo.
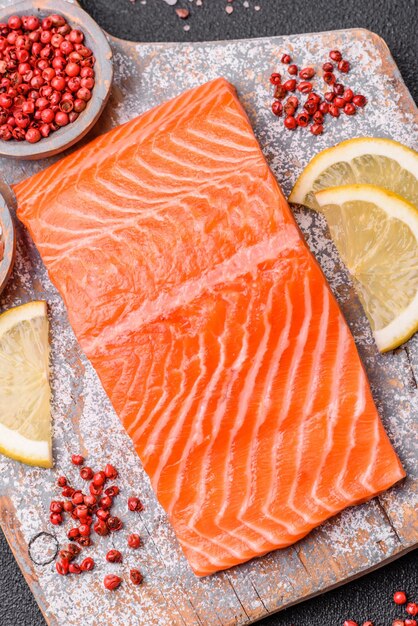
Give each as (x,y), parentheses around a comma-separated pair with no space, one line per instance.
(394,20)
(397,22)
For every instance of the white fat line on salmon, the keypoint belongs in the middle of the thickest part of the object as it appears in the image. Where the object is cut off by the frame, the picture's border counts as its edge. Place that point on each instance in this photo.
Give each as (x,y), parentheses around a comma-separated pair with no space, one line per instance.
(360,407)
(282,516)
(250,506)
(139,426)
(219,413)
(341,355)
(244,261)
(252,536)
(311,394)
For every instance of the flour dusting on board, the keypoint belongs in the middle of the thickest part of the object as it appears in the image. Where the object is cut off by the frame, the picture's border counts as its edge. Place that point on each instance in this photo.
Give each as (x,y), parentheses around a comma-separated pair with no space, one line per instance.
(85,422)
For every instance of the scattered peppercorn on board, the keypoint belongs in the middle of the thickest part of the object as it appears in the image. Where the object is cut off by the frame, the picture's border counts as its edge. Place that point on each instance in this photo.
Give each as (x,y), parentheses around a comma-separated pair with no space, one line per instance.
(356,541)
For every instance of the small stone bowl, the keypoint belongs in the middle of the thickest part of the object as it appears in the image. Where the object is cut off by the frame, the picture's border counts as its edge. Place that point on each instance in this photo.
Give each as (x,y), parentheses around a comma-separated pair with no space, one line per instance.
(96,40)
(7,242)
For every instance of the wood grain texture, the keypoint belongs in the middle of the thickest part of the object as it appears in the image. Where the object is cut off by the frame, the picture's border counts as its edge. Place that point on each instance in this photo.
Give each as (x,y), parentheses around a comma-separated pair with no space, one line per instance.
(352,543)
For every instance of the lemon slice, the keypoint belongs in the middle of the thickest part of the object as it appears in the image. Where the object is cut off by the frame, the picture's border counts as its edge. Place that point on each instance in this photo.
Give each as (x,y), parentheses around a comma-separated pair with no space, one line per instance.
(365,160)
(25,416)
(376,234)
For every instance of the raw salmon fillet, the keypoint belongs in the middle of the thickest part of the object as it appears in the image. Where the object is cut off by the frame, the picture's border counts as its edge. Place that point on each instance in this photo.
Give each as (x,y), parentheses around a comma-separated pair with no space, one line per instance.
(212,328)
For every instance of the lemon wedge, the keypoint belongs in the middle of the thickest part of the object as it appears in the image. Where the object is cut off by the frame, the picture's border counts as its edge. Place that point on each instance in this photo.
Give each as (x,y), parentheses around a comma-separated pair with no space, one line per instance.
(376,233)
(365,160)
(25,416)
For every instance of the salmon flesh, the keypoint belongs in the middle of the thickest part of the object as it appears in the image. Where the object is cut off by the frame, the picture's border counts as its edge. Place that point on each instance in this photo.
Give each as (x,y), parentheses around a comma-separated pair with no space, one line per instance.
(211,327)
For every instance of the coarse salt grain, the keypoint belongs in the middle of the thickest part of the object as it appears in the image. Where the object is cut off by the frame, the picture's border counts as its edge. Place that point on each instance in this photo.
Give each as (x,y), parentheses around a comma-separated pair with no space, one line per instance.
(186,27)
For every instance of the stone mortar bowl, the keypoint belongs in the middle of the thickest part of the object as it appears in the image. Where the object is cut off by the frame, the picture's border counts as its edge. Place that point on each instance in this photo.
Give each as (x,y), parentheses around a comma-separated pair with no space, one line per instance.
(96,40)
(7,240)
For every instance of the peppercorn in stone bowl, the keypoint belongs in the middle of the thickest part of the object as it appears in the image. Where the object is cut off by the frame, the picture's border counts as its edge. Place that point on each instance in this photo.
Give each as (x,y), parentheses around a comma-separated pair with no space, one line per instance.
(95,98)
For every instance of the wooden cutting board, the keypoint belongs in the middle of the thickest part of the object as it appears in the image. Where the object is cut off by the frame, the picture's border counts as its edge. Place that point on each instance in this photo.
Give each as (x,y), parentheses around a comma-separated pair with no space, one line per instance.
(347,546)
